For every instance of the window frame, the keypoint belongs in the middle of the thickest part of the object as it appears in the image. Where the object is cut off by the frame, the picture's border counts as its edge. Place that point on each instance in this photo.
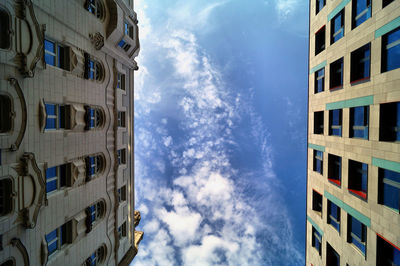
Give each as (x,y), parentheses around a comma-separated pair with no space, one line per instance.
(59,110)
(121,81)
(122,194)
(121,119)
(358,16)
(6,200)
(329,252)
(121,156)
(334,33)
(95,7)
(382,245)
(319,122)
(339,125)
(358,179)
(335,167)
(317,202)
(360,59)
(353,128)
(386,46)
(122,231)
(333,218)
(319,75)
(7,29)
(58,239)
(94,166)
(316,237)
(320,40)
(334,69)
(389,180)
(6,114)
(317,6)
(318,157)
(59,54)
(385,3)
(59,178)
(359,241)
(389,122)
(124,45)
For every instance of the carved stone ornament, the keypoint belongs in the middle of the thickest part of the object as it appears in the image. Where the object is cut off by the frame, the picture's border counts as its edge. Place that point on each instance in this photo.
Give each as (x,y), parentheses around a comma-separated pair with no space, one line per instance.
(24,114)
(15,242)
(137,218)
(97,40)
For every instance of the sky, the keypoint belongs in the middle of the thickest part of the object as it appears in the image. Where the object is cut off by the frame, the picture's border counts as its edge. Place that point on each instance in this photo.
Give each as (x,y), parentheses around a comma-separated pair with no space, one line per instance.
(220,132)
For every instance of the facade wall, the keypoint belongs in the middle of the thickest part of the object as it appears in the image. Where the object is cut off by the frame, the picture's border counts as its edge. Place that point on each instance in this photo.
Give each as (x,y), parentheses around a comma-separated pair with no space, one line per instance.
(29,149)
(380,87)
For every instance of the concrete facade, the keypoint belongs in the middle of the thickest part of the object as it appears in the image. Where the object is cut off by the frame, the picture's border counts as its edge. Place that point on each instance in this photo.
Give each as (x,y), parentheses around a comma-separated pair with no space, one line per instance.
(378,88)
(67,176)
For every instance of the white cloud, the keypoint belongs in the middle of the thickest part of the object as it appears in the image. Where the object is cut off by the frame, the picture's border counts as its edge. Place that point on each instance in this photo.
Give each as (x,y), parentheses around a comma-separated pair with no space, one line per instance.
(286,7)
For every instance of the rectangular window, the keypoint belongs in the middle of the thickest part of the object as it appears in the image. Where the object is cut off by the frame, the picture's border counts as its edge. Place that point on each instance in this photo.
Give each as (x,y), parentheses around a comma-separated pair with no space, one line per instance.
(358,179)
(122,231)
(332,257)
(389,189)
(56,54)
(391,50)
(319,5)
(316,240)
(334,215)
(56,239)
(57,116)
(56,177)
(336,74)
(387,253)
(335,122)
(94,213)
(121,156)
(318,161)
(120,81)
(121,119)
(334,169)
(337,27)
(319,83)
(93,166)
(124,45)
(317,202)
(359,119)
(389,122)
(357,233)
(320,40)
(362,10)
(360,64)
(319,122)
(122,194)
(128,29)
(386,2)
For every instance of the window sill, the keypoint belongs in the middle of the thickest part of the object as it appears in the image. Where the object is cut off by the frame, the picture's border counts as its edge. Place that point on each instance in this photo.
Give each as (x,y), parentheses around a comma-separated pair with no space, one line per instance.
(358,194)
(335,182)
(336,88)
(357,249)
(360,81)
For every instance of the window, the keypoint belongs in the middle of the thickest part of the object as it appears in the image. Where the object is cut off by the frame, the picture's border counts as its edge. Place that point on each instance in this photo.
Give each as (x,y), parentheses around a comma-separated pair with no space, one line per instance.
(316,240)
(361,11)
(4,29)
(57,238)
(358,179)
(6,205)
(5,114)
(57,116)
(95,70)
(386,2)
(320,40)
(94,118)
(120,81)
(121,156)
(337,27)
(124,45)
(318,161)
(94,165)
(95,7)
(319,122)
(128,29)
(96,257)
(389,189)
(9,262)
(334,169)
(335,122)
(360,63)
(334,215)
(389,122)
(121,119)
(319,81)
(122,231)
(319,5)
(122,194)
(391,50)
(56,177)
(93,214)
(317,202)
(357,233)
(332,257)
(56,54)
(359,119)
(336,74)
(387,254)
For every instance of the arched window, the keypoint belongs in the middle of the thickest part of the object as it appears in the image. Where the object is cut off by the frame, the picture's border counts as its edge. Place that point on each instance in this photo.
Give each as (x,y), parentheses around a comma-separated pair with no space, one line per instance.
(94,165)
(4,29)
(95,7)
(9,262)
(94,214)
(5,114)
(94,117)
(5,196)
(97,257)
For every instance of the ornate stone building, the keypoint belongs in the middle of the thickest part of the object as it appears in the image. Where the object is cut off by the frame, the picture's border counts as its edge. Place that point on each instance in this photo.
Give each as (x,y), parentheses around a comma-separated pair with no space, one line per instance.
(66,132)
(353,198)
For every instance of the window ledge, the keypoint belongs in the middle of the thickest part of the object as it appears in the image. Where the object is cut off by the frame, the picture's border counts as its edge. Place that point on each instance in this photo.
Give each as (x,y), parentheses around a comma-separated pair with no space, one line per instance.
(358,194)
(360,81)
(336,88)
(334,181)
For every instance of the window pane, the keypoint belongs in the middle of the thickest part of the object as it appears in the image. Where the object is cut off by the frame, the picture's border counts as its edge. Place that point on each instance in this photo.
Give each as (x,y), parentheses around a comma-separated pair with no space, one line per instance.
(51,172)
(50,109)
(51,186)
(391,196)
(52,247)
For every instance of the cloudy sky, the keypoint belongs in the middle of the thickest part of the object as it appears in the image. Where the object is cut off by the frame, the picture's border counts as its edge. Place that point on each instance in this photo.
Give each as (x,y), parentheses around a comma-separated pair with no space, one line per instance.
(220,132)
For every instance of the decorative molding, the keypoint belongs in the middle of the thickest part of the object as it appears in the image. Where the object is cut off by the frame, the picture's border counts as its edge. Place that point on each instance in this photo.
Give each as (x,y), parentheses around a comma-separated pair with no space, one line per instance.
(44,251)
(97,40)
(22,130)
(15,242)
(137,218)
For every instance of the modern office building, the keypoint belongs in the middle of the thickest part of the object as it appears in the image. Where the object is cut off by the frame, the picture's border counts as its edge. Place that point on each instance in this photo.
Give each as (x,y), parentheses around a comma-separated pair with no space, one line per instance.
(353,188)
(66,132)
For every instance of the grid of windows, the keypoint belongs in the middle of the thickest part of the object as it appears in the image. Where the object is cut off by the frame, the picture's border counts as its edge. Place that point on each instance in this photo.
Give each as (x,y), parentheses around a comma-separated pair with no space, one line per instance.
(334,215)
(389,189)
(391,50)
(316,240)
(387,254)
(335,122)
(359,120)
(318,161)
(389,122)
(337,27)
(358,179)
(361,11)
(320,40)
(336,74)
(319,80)
(360,64)
(334,169)
(357,233)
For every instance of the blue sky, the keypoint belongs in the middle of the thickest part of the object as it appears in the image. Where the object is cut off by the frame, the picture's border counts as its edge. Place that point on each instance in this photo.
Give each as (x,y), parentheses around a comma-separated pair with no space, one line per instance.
(220,132)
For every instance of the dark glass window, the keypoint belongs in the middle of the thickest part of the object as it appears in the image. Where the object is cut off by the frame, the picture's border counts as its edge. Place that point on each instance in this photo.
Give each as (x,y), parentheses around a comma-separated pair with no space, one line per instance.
(389,189)
(334,169)
(124,45)
(358,179)
(360,63)
(317,201)
(359,120)
(5,196)
(332,257)
(56,55)
(56,177)
(361,11)
(318,161)
(128,29)
(316,240)
(391,50)
(319,5)
(386,2)
(335,122)
(56,239)
(389,122)
(5,114)
(121,119)
(319,122)
(357,233)
(320,40)
(387,254)
(334,215)
(336,74)
(9,262)
(121,156)
(337,27)
(4,29)
(319,80)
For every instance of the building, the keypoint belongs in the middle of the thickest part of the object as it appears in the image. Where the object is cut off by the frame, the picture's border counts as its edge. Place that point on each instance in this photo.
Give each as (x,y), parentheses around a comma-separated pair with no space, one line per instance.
(353,188)
(66,132)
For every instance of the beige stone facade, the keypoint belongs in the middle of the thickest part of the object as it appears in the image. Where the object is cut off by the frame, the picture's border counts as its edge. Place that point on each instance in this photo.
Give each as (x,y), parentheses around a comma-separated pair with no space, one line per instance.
(66,132)
(378,86)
